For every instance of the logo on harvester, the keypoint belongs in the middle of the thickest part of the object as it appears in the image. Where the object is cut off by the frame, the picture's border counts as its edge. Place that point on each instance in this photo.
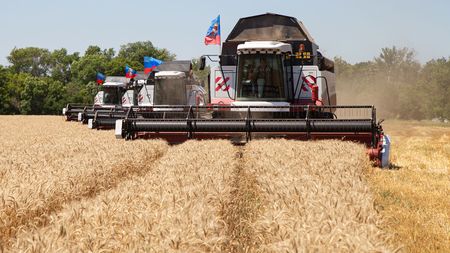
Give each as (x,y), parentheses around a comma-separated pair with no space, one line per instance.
(222,83)
(310,81)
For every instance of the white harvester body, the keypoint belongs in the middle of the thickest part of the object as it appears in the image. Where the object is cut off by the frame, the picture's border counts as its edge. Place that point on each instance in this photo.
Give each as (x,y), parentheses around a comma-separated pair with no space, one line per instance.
(110,92)
(225,78)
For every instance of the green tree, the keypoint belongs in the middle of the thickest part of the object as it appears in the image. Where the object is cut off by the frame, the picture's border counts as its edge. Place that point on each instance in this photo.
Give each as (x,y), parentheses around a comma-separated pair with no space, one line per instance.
(4,79)
(14,87)
(398,64)
(94,60)
(116,67)
(96,50)
(61,64)
(32,60)
(76,92)
(84,70)
(33,95)
(389,82)
(434,89)
(135,52)
(54,98)
(41,95)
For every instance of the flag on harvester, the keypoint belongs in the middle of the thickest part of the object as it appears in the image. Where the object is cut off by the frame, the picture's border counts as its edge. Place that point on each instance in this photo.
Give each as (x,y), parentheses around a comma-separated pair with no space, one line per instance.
(213,35)
(150,64)
(129,72)
(100,78)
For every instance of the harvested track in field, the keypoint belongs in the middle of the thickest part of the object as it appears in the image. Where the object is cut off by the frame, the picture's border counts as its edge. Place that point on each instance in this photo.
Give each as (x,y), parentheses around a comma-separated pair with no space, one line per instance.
(241,209)
(41,172)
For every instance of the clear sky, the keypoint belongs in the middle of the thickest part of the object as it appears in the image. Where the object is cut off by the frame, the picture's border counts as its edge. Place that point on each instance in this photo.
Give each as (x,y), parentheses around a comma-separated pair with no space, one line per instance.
(355,30)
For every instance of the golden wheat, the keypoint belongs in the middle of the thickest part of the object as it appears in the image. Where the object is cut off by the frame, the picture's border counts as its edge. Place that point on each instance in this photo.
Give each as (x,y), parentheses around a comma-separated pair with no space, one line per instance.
(68,189)
(200,197)
(313,198)
(46,163)
(176,206)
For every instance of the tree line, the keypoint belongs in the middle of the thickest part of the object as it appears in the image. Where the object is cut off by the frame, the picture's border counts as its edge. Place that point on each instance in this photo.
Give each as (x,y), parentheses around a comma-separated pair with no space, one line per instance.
(40,81)
(397,84)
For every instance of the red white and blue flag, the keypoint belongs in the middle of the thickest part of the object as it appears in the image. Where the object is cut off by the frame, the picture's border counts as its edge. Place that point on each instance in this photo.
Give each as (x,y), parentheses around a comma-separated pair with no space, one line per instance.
(100,78)
(150,64)
(213,35)
(129,72)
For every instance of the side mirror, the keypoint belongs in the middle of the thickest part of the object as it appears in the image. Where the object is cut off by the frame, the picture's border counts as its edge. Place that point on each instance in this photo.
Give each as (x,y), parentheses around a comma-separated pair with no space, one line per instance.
(202,63)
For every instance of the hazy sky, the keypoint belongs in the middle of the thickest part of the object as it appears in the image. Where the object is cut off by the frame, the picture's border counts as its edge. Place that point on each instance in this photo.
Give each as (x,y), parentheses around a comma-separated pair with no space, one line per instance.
(355,30)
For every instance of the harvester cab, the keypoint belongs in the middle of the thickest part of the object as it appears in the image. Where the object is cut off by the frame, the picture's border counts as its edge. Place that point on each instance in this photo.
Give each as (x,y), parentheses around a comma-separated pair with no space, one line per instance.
(271,82)
(109,97)
(114,97)
(110,93)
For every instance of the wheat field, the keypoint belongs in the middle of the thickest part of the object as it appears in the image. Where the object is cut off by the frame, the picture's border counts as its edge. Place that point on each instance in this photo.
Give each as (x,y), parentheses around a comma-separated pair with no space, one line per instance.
(414,196)
(66,188)
(46,162)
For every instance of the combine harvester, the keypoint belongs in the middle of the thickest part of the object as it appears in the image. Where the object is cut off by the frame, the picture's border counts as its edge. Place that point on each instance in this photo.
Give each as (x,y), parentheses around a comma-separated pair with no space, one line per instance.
(271,82)
(107,98)
(171,83)
(126,97)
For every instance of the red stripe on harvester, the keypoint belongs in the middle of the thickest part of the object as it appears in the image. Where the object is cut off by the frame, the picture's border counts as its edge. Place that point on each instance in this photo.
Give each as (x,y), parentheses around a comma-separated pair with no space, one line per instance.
(219,85)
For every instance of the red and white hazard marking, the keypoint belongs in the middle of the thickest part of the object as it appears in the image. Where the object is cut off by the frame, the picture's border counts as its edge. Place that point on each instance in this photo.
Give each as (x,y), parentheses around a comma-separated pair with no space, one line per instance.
(140,97)
(310,81)
(222,83)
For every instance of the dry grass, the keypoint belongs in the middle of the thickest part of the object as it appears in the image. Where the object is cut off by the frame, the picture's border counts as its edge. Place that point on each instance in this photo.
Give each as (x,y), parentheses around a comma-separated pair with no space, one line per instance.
(176,206)
(415,196)
(46,162)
